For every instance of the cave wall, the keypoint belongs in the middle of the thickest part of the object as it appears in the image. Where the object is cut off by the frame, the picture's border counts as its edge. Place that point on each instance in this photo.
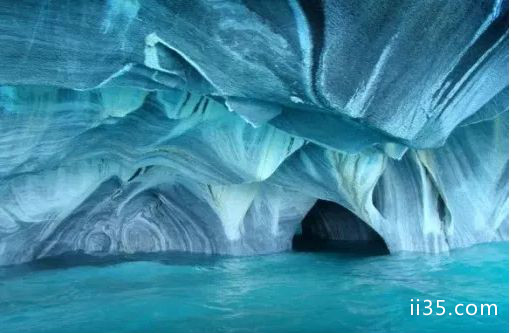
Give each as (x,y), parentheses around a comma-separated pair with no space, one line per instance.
(213,127)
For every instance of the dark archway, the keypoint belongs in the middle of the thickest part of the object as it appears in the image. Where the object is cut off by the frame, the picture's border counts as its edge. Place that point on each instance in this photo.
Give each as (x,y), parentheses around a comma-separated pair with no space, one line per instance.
(330,227)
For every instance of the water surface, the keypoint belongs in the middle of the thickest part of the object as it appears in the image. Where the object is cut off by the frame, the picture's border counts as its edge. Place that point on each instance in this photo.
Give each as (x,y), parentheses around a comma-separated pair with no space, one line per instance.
(288,292)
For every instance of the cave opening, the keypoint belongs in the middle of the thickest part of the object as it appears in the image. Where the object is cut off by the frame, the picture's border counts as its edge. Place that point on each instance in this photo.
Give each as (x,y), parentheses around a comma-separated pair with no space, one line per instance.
(330,227)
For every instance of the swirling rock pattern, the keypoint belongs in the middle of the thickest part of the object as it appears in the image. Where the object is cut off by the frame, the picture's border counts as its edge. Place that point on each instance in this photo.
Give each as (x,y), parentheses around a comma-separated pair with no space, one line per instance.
(214,126)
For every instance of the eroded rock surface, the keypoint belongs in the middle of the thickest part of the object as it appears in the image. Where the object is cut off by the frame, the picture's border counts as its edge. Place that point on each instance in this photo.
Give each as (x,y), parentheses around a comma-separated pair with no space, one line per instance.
(214,126)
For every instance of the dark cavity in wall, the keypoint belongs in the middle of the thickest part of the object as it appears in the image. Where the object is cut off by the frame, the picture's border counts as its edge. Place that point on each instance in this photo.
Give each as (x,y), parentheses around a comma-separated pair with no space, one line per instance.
(329,227)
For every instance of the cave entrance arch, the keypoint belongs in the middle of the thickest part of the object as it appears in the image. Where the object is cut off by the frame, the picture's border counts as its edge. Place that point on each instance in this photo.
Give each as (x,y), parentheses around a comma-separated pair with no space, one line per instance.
(329,227)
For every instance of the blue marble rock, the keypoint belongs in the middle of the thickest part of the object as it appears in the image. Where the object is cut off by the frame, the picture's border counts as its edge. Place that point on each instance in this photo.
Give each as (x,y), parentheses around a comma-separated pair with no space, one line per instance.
(203,126)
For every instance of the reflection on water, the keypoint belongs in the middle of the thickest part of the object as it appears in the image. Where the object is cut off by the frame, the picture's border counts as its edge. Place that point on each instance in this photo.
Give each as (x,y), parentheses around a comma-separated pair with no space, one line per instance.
(289,292)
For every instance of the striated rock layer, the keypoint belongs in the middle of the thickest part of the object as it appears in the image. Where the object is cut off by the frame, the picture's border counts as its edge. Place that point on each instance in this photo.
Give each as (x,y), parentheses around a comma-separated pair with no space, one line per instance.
(214,126)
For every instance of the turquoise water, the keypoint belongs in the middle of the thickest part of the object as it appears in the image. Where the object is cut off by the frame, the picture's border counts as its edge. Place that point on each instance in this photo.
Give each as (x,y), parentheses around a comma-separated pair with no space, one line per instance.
(289,292)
